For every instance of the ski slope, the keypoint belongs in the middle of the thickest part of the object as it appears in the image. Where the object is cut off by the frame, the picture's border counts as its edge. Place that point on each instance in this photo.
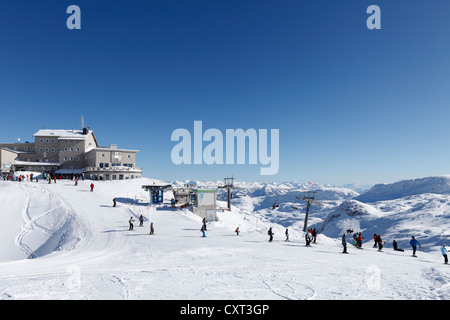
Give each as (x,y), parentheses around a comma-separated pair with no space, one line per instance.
(61,241)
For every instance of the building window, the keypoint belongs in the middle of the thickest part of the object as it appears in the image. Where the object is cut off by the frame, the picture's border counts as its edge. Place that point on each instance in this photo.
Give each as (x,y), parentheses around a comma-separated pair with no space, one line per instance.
(78,158)
(71,149)
(26,148)
(103,155)
(53,140)
(46,149)
(46,140)
(77,149)
(40,140)
(129,156)
(40,149)
(65,158)
(57,149)
(65,149)
(31,148)
(106,165)
(101,164)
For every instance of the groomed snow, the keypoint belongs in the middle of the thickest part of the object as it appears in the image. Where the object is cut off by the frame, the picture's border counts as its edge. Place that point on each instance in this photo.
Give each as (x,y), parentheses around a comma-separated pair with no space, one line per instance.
(61,241)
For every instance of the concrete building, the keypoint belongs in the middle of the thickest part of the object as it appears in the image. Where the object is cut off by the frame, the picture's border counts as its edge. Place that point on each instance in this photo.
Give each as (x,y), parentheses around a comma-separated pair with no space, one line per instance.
(205,204)
(69,152)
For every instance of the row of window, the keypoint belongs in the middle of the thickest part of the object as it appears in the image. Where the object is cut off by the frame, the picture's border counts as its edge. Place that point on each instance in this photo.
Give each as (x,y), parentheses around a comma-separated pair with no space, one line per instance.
(53,149)
(106,165)
(116,155)
(46,140)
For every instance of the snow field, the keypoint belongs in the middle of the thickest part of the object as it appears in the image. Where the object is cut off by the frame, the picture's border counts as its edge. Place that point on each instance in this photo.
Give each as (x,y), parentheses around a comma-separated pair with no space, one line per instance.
(62,241)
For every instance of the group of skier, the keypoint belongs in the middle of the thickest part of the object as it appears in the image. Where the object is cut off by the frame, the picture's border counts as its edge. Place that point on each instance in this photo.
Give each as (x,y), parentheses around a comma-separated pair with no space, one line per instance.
(378,242)
(141,224)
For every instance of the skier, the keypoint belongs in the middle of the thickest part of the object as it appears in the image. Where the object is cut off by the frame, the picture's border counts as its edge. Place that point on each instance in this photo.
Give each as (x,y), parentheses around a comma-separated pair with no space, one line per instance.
(414,244)
(287,235)
(114,202)
(375,242)
(92,187)
(152,231)
(237,231)
(344,243)
(394,244)
(314,235)
(359,240)
(380,243)
(76,182)
(141,221)
(203,229)
(270,233)
(131,223)
(444,253)
(204,223)
(307,239)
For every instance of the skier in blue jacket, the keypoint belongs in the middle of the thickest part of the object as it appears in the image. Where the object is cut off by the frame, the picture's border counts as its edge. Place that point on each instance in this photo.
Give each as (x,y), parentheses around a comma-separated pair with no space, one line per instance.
(414,243)
(444,253)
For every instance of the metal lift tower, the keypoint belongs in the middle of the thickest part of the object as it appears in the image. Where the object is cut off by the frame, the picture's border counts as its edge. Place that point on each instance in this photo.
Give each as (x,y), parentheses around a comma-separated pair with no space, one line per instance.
(310,198)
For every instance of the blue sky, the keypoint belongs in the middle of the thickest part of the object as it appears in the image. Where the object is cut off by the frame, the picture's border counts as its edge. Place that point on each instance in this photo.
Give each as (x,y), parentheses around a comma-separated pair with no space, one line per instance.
(352,105)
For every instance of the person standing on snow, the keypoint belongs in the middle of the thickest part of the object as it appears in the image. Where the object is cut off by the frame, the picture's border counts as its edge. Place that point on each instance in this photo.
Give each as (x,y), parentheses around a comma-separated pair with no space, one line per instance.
(344,243)
(114,202)
(204,223)
(131,223)
(287,235)
(379,242)
(307,239)
(444,253)
(375,242)
(92,187)
(314,235)
(270,233)
(359,240)
(237,231)
(414,243)
(141,221)
(152,231)
(203,229)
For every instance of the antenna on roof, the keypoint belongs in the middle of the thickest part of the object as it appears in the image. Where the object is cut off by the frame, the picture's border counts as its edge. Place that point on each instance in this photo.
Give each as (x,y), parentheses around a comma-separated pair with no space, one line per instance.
(82,122)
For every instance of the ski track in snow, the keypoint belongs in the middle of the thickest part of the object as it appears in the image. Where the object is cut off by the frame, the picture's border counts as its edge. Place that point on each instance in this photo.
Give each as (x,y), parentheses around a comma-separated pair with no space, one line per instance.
(94,256)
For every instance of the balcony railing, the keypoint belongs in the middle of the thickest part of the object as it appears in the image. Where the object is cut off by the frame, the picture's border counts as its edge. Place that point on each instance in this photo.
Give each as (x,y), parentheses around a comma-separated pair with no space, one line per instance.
(111,169)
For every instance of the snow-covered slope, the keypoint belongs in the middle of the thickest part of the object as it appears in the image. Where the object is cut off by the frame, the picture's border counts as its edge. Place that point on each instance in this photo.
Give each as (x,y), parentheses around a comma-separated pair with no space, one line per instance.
(60,241)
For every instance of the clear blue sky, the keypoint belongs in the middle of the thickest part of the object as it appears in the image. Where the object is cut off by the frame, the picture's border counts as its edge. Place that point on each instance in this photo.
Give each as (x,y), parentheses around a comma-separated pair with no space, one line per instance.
(352,104)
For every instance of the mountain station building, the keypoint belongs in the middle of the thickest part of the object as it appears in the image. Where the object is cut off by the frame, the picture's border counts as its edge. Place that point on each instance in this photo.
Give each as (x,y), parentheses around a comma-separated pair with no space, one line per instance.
(69,152)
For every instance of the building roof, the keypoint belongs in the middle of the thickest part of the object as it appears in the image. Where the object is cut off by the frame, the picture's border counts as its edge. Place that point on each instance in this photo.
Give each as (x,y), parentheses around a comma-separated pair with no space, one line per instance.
(63,134)
(111,149)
